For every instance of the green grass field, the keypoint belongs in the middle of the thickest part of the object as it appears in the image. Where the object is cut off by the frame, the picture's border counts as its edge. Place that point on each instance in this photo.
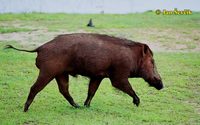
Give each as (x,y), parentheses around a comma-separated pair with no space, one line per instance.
(177,104)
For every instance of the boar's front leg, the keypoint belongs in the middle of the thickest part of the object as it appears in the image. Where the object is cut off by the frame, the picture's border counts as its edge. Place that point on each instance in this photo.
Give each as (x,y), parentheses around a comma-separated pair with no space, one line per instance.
(93,86)
(63,86)
(124,85)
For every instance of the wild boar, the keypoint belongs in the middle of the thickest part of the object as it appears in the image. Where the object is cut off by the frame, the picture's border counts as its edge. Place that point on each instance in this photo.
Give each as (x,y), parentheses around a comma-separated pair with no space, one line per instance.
(95,56)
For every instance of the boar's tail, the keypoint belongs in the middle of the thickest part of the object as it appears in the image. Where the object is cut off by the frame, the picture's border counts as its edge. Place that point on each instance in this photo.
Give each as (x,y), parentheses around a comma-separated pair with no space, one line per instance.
(11,47)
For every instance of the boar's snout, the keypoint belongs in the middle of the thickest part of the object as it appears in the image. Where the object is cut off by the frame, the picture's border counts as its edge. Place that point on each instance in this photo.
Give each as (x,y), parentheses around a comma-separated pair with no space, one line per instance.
(157,83)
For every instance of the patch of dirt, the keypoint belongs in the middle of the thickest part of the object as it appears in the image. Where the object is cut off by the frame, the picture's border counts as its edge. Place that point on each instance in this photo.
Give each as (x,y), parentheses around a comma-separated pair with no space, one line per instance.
(158,40)
(33,38)
(173,39)
(162,40)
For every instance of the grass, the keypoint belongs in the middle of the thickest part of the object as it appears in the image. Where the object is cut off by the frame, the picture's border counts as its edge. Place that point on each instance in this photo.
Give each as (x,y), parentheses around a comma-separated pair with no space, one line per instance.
(168,31)
(103,21)
(178,103)
(12,29)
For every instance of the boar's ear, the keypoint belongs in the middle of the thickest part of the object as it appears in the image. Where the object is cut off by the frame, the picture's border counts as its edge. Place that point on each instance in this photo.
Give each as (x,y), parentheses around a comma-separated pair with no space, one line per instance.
(146,50)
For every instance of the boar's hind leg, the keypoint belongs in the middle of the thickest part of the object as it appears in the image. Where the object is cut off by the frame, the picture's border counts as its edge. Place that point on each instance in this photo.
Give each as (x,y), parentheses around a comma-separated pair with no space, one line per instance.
(63,86)
(93,86)
(124,85)
(42,80)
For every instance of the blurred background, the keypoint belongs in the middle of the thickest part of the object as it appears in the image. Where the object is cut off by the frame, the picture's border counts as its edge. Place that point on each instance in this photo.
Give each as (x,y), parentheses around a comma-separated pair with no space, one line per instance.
(94,6)
(174,39)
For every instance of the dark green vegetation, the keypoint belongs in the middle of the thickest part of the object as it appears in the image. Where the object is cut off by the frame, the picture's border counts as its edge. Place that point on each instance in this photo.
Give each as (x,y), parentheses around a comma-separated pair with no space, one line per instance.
(105,21)
(170,31)
(177,103)
(12,29)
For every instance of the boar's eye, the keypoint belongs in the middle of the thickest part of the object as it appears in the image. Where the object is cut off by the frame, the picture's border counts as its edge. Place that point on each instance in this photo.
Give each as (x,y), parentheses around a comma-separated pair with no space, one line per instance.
(152,61)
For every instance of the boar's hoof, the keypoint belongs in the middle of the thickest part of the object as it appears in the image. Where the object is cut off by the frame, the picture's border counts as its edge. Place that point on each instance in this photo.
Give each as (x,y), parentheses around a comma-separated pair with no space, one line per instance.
(136,101)
(87,105)
(76,106)
(26,107)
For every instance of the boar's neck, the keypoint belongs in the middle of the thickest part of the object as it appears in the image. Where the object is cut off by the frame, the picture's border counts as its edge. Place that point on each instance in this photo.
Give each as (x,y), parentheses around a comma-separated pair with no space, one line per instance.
(136,61)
